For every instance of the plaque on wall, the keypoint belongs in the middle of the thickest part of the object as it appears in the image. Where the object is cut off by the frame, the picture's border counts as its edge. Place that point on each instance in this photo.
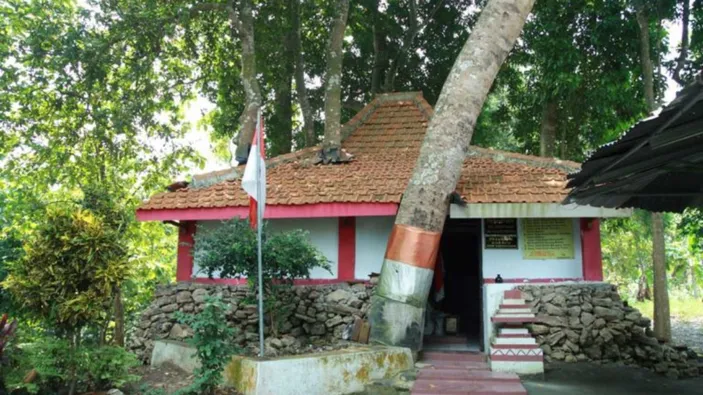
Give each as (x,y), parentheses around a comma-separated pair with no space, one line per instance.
(548,238)
(501,233)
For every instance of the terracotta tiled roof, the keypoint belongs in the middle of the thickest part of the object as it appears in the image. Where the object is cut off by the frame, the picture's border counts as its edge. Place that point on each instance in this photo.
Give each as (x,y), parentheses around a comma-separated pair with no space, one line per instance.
(385,139)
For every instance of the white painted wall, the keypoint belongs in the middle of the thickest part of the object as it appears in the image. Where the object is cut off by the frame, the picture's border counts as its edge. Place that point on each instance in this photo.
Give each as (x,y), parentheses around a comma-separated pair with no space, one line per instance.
(510,263)
(371,239)
(323,233)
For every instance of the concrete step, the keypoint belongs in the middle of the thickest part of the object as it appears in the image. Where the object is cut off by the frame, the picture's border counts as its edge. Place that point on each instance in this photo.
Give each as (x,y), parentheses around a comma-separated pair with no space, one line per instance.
(470,375)
(453,356)
(465,387)
(456,365)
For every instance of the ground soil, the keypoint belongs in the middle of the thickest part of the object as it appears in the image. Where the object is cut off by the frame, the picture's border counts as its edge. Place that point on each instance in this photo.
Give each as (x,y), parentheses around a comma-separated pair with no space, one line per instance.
(607,379)
(689,332)
(167,377)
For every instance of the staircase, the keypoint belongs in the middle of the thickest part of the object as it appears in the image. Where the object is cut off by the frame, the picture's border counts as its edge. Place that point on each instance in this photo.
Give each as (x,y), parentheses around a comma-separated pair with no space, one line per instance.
(514,349)
(449,373)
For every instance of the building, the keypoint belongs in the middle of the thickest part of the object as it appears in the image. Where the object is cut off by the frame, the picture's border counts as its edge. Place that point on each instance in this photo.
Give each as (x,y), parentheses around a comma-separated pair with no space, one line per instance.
(511,222)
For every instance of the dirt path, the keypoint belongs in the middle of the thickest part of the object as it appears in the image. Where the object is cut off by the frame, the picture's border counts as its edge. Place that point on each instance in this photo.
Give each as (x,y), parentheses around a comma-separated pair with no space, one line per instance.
(610,379)
(688,332)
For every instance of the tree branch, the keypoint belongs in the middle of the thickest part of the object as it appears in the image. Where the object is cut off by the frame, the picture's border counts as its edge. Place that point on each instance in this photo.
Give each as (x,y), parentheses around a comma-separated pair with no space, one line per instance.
(413,30)
(229,8)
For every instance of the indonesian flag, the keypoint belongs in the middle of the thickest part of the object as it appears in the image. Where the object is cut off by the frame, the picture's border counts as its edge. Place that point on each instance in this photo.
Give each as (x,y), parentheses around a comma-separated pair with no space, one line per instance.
(254,179)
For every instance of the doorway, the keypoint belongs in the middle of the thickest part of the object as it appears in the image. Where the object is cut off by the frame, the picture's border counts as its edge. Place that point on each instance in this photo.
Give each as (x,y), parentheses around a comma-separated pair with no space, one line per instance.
(461,304)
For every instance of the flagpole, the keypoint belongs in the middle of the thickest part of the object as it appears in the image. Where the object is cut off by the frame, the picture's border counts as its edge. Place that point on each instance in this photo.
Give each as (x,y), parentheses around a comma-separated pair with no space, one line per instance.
(259,221)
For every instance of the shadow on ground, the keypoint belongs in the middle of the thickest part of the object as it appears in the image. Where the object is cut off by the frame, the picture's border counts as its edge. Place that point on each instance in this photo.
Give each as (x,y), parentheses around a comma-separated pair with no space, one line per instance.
(609,379)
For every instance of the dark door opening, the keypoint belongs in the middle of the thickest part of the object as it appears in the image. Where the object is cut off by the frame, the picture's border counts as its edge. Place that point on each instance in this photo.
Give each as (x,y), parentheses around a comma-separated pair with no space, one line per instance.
(460,251)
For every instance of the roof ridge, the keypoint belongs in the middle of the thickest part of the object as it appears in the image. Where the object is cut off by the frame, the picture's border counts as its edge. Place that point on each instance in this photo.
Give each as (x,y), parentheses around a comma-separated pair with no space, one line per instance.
(531,160)
(365,113)
(232,172)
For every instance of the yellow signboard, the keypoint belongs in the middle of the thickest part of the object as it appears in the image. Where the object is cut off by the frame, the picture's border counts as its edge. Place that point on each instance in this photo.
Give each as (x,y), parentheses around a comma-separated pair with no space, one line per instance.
(547,238)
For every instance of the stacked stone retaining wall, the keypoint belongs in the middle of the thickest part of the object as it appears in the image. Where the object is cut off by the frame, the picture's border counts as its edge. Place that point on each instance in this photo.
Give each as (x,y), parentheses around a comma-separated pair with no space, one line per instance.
(307,316)
(589,322)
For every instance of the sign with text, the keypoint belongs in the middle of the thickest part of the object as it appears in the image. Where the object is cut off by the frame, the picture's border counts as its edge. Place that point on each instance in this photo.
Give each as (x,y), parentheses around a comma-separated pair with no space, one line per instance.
(501,234)
(548,238)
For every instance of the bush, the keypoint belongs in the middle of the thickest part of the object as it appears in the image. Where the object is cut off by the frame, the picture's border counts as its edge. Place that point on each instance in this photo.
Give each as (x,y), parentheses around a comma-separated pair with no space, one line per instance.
(56,362)
(214,344)
(7,333)
(70,269)
(230,250)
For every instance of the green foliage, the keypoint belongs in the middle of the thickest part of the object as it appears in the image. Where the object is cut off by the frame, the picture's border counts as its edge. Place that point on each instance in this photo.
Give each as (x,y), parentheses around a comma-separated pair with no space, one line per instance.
(7,333)
(627,252)
(55,361)
(230,250)
(70,268)
(214,342)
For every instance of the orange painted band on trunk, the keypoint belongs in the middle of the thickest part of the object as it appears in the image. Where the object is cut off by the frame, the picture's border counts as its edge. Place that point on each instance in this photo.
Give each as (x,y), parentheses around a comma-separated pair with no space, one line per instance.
(413,246)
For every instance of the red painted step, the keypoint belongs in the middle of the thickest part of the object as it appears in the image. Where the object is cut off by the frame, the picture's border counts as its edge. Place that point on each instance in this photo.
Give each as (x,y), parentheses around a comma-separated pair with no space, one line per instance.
(450,387)
(450,365)
(456,374)
(463,374)
(453,356)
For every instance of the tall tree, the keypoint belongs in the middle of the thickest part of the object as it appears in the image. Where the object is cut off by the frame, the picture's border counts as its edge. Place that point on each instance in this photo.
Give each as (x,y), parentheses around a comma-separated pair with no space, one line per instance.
(300,87)
(332,146)
(662,318)
(573,78)
(397,308)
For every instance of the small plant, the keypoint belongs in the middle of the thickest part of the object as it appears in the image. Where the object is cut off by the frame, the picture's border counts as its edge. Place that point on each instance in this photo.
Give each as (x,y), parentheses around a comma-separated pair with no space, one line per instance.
(108,366)
(55,361)
(7,332)
(214,344)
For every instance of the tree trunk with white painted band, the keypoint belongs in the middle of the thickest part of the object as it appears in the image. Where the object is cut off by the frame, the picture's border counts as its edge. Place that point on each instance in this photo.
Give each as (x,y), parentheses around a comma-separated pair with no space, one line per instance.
(397,308)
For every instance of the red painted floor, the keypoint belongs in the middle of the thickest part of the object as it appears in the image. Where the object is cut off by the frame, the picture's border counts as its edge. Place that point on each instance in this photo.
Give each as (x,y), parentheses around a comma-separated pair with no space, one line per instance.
(463,374)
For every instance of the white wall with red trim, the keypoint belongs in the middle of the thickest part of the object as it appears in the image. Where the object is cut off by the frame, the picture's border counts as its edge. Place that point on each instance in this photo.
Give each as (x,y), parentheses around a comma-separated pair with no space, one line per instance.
(371,239)
(356,246)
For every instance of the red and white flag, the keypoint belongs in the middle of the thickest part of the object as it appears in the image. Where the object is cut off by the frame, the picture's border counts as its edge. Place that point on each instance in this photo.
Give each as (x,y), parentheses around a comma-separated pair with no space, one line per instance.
(254,179)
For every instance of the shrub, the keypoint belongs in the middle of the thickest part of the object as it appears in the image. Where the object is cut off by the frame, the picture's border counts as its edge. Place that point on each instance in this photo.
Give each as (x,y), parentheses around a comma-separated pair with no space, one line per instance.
(56,362)
(214,344)
(230,250)
(69,270)
(67,278)
(7,332)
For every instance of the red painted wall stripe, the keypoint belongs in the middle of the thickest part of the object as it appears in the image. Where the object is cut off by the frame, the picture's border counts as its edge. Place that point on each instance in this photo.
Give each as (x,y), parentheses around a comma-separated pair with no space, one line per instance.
(321,210)
(346,251)
(591,249)
(184,261)
(531,280)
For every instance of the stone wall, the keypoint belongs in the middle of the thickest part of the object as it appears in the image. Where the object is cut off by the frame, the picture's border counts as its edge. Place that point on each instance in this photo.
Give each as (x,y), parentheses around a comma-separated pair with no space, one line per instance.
(309,317)
(589,321)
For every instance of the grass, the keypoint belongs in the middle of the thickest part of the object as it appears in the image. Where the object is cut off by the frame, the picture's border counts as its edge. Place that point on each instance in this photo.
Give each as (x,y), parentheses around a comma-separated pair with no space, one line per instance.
(685,309)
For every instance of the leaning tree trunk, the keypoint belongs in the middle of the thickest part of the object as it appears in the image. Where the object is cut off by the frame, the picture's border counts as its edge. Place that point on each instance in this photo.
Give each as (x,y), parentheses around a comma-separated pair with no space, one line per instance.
(398,305)
(301,89)
(548,130)
(331,148)
(662,318)
(244,24)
